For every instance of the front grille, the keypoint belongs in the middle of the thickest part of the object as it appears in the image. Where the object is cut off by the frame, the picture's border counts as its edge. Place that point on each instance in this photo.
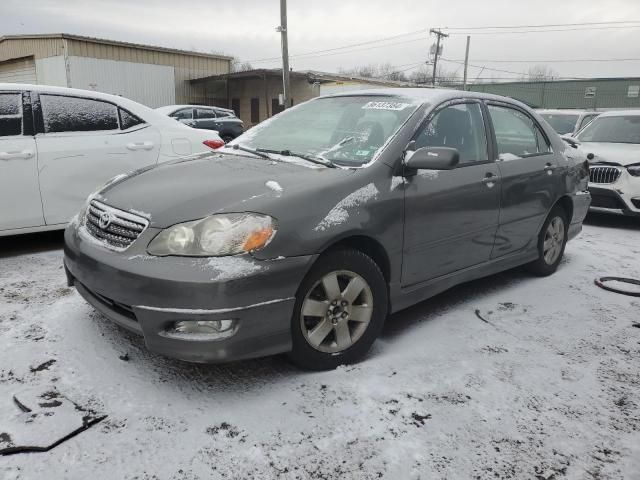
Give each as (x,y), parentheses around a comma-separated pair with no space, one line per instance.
(602,174)
(116,228)
(606,201)
(117,307)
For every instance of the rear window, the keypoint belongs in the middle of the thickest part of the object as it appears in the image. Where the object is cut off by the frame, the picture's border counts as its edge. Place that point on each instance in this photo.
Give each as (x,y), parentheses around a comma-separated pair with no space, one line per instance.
(75,114)
(10,114)
(562,123)
(128,119)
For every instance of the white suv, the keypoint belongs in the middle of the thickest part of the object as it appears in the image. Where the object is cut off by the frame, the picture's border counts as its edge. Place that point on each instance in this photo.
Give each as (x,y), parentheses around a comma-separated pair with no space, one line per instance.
(612,144)
(57,145)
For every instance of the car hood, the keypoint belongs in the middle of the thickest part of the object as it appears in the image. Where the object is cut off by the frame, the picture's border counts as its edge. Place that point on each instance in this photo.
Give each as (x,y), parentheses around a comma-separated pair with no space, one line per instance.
(618,153)
(191,189)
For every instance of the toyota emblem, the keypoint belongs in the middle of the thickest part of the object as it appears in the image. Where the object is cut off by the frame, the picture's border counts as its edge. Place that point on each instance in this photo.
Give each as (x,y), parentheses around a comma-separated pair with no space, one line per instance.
(105,220)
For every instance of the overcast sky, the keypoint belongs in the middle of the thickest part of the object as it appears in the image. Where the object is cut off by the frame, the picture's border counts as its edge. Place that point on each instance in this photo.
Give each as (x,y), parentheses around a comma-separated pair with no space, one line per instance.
(246,29)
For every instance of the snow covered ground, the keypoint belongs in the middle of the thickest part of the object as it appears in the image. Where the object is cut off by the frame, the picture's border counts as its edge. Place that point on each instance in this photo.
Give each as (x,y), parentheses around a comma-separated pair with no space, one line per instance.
(547,387)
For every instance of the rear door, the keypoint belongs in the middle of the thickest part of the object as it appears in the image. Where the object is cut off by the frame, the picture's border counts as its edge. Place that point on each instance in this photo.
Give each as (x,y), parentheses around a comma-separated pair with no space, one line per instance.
(205,118)
(20,205)
(531,177)
(82,143)
(451,216)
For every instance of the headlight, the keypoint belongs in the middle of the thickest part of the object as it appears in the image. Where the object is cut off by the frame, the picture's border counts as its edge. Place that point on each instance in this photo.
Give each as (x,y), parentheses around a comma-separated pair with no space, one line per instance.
(215,236)
(634,170)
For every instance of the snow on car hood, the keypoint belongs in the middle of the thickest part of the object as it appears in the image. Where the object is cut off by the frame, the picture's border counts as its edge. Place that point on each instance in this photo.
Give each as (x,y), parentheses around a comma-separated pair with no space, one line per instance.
(619,153)
(217,183)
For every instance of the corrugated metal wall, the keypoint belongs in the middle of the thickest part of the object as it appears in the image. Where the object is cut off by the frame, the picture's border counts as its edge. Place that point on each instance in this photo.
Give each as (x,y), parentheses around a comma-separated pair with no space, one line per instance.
(186,66)
(51,71)
(22,70)
(585,94)
(151,85)
(30,47)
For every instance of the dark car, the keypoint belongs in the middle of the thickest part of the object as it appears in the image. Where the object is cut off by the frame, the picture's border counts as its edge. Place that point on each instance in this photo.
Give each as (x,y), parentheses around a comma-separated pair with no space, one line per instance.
(222,120)
(304,234)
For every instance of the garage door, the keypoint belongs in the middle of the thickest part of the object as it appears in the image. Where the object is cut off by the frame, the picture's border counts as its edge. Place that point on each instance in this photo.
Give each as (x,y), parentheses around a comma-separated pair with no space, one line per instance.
(22,70)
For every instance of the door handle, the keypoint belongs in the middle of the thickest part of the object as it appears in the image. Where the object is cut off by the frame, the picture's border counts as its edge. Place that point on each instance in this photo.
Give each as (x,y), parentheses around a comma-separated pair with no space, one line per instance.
(490,179)
(24,155)
(549,168)
(140,145)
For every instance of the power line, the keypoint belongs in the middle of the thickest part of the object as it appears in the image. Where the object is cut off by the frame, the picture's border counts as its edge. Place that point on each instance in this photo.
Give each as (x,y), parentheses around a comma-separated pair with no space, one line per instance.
(589,29)
(563,61)
(482,66)
(543,25)
(384,39)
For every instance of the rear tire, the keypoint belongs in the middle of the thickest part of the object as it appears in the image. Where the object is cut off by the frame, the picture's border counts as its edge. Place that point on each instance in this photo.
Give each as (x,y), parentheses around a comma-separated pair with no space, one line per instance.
(340,309)
(552,241)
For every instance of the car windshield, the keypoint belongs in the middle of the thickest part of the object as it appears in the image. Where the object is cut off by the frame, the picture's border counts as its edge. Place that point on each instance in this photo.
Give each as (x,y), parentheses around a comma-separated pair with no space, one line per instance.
(562,123)
(618,129)
(347,130)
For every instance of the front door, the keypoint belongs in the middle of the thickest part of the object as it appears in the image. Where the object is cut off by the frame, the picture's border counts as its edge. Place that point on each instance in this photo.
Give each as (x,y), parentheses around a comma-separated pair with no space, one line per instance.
(531,180)
(451,216)
(20,205)
(85,143)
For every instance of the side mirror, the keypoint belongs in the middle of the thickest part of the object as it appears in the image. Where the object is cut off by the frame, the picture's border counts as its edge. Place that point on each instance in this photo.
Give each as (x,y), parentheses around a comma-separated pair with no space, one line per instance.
(431,158)
(574,142)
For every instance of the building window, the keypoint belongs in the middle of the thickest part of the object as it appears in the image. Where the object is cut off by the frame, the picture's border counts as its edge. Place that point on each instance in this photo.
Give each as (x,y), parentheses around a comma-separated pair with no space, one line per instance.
(255,110)
(235,106)
(589,92)
(633,91)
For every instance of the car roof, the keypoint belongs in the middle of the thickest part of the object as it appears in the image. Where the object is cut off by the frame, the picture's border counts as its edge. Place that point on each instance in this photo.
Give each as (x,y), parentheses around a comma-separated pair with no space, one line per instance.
(134,107)
(560,111)
(425,95)
(621,113)
(170,108)
(123,101)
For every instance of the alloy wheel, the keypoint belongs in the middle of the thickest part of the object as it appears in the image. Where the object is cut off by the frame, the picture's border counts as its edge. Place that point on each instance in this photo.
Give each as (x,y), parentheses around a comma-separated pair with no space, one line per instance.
(336,311)
(553,240)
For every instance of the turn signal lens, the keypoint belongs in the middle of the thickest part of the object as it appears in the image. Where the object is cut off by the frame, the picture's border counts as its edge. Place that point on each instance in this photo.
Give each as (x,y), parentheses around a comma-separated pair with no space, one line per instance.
(258,239)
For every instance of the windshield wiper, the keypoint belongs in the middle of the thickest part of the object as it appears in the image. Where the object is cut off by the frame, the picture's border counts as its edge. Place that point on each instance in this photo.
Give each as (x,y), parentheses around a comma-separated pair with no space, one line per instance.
(258,153)
(310,158)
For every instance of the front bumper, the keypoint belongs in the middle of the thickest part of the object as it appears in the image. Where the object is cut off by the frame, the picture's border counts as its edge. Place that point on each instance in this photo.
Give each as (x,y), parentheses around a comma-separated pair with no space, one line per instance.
(612,199)
(146,295)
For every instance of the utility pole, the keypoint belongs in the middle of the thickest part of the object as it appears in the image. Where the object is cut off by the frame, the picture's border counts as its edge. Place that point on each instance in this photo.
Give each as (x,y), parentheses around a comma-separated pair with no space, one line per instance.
(285,53)
(466,63)
(439,34)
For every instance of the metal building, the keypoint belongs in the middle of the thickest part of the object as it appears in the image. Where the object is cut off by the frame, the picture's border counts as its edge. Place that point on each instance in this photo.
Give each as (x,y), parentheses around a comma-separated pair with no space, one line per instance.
(153,76)
(588,94)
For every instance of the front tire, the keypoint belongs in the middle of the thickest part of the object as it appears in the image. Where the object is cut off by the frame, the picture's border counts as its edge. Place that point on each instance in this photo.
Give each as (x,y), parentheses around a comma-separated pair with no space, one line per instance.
(340,309)
(552,241)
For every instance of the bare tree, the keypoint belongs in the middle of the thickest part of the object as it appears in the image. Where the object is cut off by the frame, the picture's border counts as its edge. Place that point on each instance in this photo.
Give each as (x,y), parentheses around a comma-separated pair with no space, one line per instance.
(382,71)
(539,73)
(239,66)
(444,77)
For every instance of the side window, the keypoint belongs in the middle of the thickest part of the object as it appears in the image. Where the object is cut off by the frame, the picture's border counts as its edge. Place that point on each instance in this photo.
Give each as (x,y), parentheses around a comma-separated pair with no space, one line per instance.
(128,119)
(75,114)
(586,120)
(10,114)
(220,113)
(516,134)
(184,114)
(461,127)
(205,113)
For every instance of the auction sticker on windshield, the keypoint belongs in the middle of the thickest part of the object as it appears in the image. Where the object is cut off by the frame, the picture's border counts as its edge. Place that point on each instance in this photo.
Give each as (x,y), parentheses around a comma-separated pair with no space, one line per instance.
(385,106)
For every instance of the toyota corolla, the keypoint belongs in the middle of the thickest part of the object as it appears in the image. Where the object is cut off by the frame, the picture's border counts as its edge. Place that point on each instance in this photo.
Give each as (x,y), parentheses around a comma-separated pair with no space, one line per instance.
(303,234)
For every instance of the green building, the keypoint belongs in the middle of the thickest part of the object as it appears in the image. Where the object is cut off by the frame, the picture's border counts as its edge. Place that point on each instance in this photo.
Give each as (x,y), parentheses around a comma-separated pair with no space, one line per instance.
(590,94)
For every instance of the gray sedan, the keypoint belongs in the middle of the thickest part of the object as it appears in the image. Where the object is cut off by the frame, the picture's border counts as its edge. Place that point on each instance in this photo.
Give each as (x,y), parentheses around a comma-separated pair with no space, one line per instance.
(306,232)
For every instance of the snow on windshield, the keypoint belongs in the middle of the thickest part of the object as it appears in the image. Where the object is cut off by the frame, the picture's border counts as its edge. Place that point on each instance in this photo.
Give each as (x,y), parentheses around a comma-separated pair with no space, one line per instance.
(348,130)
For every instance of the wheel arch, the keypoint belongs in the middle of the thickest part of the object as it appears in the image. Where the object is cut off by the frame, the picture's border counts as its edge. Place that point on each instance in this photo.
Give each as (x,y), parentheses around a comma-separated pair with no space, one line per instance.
(367,245)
